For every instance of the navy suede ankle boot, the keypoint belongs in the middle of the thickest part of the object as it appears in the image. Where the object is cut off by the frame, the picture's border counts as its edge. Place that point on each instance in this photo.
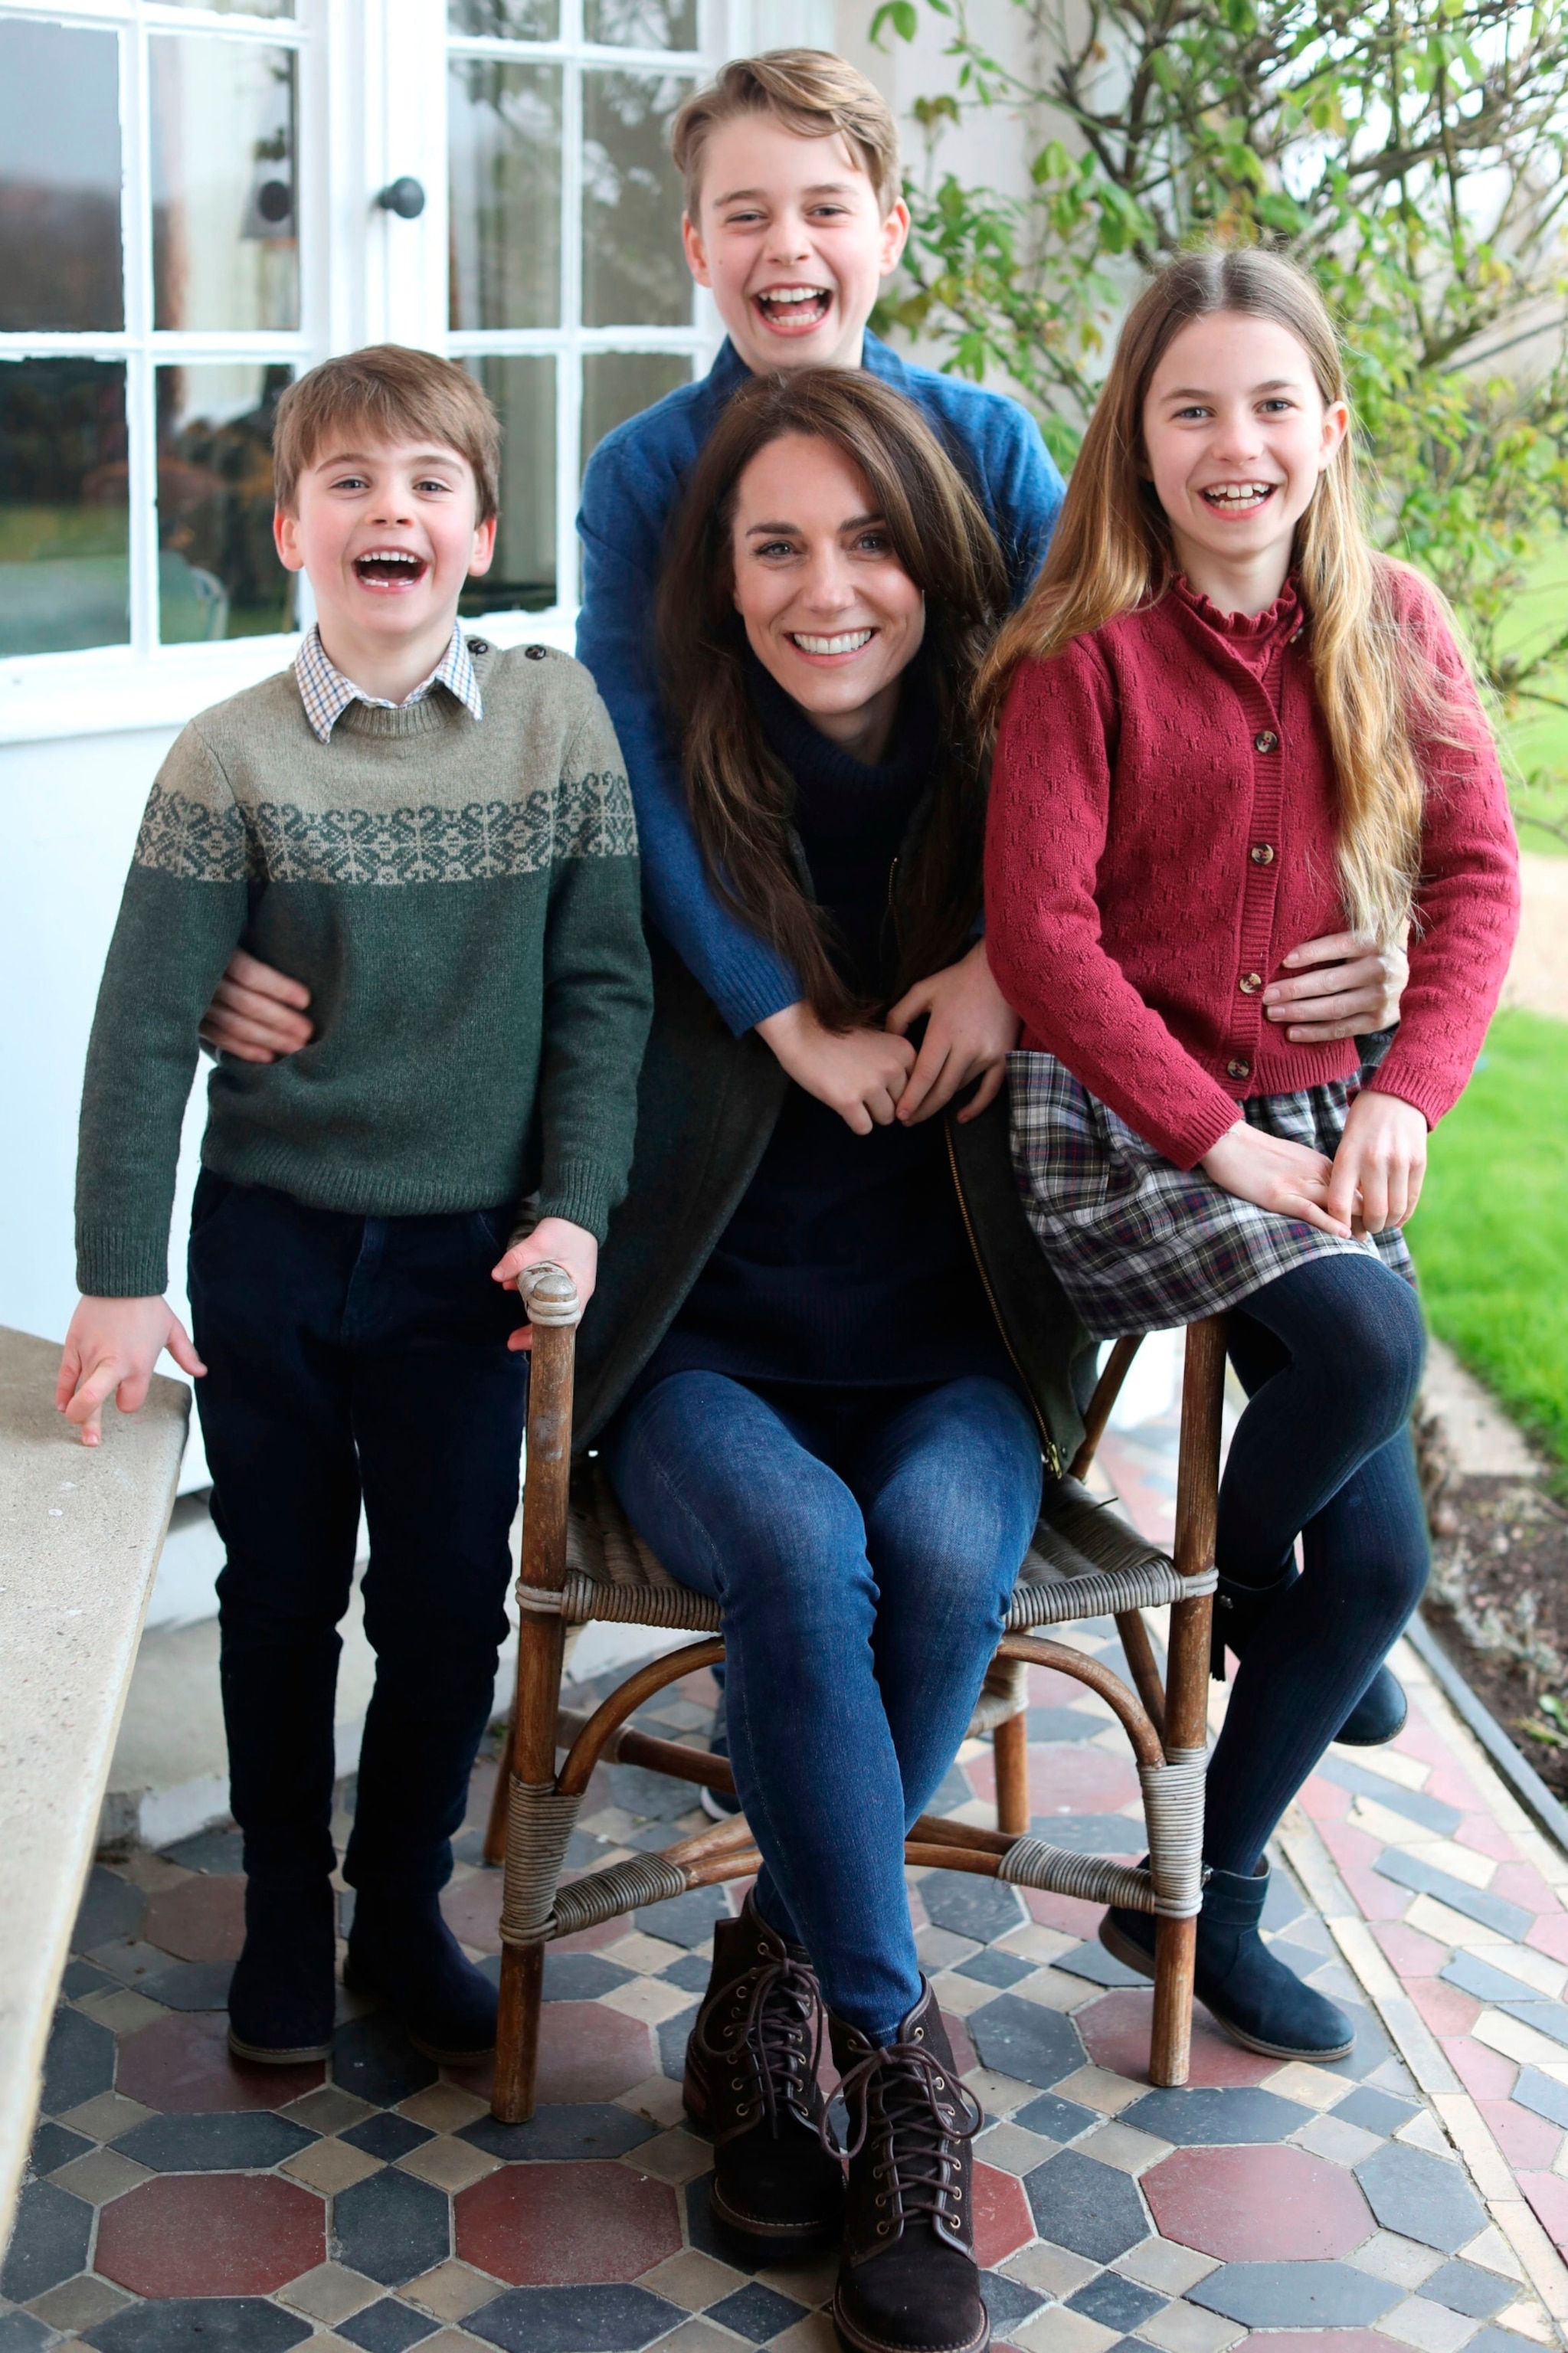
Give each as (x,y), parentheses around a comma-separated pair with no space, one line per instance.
(401,1950)
(1241,1983)
(283,1992)
(1240,1609)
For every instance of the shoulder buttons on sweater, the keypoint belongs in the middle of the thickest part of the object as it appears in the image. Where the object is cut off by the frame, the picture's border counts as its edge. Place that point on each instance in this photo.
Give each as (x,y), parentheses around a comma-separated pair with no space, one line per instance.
(1265,741)
(1238,1070)
(479,645)
(538,653)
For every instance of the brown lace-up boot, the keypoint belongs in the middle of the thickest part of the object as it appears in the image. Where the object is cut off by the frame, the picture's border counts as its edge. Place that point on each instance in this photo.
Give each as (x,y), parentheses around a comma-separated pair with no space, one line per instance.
(751,2077)
(909,2282)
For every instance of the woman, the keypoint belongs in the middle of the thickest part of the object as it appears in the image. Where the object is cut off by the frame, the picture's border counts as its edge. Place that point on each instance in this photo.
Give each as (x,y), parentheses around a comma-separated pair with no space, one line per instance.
(799,1387)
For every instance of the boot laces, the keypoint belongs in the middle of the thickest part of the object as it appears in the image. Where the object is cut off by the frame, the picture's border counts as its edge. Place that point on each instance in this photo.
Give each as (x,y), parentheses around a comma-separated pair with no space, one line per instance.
(776,2030)
(922,2112)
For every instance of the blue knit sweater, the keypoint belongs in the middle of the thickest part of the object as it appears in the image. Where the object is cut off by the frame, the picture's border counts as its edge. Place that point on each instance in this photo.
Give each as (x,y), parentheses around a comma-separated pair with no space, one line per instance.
(634,481)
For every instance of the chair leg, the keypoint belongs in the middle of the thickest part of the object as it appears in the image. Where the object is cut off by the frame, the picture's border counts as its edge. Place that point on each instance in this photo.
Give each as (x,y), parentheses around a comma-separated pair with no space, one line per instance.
(1187,1686)
(1009,1753)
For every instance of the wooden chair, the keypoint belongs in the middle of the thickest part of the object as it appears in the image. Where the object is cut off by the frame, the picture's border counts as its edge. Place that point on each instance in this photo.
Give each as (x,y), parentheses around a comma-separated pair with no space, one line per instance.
(581,1560)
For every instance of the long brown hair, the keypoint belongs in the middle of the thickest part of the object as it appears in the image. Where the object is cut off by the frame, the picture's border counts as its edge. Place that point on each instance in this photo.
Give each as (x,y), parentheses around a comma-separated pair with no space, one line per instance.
(1112,553)
(741,796)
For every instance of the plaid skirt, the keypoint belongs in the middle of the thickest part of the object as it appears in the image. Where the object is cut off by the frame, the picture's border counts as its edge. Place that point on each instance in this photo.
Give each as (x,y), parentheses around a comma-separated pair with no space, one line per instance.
(1138,1244)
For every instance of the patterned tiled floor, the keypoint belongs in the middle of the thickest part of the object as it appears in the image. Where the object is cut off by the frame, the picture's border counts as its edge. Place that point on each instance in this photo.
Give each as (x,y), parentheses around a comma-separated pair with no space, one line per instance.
(1408,2197)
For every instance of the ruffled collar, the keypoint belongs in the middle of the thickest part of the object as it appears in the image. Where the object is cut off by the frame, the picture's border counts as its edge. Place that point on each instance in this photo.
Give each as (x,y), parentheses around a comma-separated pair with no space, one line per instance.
(1244,629)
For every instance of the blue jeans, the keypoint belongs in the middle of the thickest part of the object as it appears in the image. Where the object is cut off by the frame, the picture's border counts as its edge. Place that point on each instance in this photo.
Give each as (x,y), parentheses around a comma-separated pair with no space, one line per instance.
(1330,1357)
(863,1545)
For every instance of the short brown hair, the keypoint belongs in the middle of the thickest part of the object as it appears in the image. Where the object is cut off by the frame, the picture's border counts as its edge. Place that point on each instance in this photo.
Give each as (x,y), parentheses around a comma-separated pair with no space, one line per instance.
(811,92)
(392,392)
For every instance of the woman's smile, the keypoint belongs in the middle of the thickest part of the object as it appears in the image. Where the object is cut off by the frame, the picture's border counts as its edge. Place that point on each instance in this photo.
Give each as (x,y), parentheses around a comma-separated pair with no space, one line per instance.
(830,611)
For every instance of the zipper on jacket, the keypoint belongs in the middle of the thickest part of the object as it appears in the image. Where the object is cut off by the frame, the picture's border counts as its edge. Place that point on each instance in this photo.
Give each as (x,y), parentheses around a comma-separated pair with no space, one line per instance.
(1053,1452)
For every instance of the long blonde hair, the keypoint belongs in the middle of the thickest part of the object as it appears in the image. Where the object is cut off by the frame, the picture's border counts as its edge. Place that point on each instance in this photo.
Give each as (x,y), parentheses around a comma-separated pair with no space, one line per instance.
(1111,553)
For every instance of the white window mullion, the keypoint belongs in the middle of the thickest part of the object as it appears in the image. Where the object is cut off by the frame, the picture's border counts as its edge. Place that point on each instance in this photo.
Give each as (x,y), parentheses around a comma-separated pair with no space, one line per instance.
(569,367)
(141,411)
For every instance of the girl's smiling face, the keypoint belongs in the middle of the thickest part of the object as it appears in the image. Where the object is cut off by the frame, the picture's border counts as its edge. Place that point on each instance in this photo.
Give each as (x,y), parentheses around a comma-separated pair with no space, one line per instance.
(829,609)
(1235,435)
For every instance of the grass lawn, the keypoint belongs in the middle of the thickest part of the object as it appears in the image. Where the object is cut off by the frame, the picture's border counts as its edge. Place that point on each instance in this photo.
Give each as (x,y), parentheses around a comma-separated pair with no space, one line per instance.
(1491,1238)
(1538,738)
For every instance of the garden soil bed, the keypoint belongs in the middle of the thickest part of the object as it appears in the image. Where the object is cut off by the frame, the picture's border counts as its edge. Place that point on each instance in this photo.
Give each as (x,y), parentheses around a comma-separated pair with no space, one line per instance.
(1497,1603)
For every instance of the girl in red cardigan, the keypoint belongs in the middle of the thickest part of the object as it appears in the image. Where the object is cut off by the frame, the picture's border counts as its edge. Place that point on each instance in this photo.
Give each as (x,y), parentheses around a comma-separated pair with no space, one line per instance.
(1229,725)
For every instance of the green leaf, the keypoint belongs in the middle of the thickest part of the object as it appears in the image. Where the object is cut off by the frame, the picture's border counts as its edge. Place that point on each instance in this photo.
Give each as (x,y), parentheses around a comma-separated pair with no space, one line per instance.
(900,14)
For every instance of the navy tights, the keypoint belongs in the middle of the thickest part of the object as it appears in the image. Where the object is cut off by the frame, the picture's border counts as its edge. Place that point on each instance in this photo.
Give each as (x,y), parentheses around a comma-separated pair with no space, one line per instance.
(1329,1356)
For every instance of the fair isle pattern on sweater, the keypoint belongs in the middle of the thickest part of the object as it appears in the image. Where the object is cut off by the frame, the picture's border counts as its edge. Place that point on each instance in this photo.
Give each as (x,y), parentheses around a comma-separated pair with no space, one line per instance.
(460,899)
(279,842)
(326,693)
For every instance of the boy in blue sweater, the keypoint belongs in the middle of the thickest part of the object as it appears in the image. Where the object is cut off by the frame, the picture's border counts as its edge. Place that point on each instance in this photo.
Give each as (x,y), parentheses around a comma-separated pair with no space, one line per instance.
(794,219)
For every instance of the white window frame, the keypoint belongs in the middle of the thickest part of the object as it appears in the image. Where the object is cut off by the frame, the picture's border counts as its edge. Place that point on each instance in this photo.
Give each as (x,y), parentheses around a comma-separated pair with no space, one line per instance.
(371,108)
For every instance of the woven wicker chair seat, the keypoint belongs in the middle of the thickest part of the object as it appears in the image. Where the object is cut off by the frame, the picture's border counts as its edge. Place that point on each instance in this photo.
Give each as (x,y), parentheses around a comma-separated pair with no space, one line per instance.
(1085,1562)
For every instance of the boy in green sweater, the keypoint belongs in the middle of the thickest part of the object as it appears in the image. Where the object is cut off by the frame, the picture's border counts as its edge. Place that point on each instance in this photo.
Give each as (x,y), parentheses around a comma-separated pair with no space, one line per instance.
(437,837)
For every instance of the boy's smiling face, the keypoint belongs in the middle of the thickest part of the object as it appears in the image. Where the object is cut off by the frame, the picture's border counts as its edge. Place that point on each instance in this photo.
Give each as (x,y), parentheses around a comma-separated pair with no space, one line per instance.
(790,236)
(387,532)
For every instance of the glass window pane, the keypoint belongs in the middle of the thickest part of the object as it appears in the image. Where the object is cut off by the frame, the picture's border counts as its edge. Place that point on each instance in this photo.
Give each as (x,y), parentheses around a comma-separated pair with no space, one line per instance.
(506,144)
(505,20)
(523,576)
(643,24)
(238,7)
(219,574)
(59,179)
(65,570)
(619,385)
(225,245)
(634,273)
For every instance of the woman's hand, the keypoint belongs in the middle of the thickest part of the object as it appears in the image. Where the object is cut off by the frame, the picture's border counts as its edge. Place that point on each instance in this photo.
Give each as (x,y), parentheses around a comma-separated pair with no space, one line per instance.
(1344,986)
(1288,1178)
(1379,1164)
(859,1073)
(113,1345)
(563,1244)
(970,1030)
(257,1015)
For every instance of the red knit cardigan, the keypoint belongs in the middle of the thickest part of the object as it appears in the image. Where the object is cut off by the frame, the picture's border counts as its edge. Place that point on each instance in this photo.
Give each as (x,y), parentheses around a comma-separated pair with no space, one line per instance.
(1162,833)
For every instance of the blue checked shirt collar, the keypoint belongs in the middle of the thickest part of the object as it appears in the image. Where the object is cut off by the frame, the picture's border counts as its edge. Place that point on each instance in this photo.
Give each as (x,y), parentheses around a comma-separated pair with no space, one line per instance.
(326,693)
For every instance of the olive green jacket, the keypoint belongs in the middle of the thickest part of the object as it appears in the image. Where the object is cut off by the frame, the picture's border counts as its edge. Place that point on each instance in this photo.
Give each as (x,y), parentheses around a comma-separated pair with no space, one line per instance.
(707,1102)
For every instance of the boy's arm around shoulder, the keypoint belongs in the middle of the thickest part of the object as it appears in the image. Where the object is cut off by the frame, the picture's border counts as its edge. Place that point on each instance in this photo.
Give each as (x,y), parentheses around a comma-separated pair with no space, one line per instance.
(1025,489)
(629,493)
(1467,896)
(181,917)
(598,984)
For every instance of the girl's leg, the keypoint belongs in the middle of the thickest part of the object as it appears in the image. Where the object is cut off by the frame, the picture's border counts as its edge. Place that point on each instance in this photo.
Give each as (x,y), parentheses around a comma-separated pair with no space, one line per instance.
(738,1504)
(1322,1450)
(950,1488)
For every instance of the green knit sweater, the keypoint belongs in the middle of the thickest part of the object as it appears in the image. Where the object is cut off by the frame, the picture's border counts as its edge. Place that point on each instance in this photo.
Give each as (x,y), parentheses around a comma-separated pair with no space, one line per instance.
(460,897)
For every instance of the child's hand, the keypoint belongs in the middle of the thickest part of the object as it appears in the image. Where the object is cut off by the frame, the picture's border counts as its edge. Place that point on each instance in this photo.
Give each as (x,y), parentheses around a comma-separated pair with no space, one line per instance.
(113,1345)
(257,1013)
(1288,1178)
(969,1033)
(860,1073)
(1379,1164)
(1342,986)
(564,1244)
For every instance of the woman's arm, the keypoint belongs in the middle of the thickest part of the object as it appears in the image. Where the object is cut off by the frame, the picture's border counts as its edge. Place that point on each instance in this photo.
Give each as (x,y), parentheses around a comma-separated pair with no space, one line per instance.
(1341,987)
(257,1013)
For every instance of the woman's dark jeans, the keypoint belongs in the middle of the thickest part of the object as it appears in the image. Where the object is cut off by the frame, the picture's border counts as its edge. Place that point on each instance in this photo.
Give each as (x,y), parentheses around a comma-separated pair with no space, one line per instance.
(352,1357)
(1330,1358)
(863,1545)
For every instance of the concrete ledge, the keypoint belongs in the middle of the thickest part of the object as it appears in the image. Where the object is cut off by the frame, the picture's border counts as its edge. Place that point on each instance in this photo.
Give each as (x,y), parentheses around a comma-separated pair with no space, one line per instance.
(80,1531)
